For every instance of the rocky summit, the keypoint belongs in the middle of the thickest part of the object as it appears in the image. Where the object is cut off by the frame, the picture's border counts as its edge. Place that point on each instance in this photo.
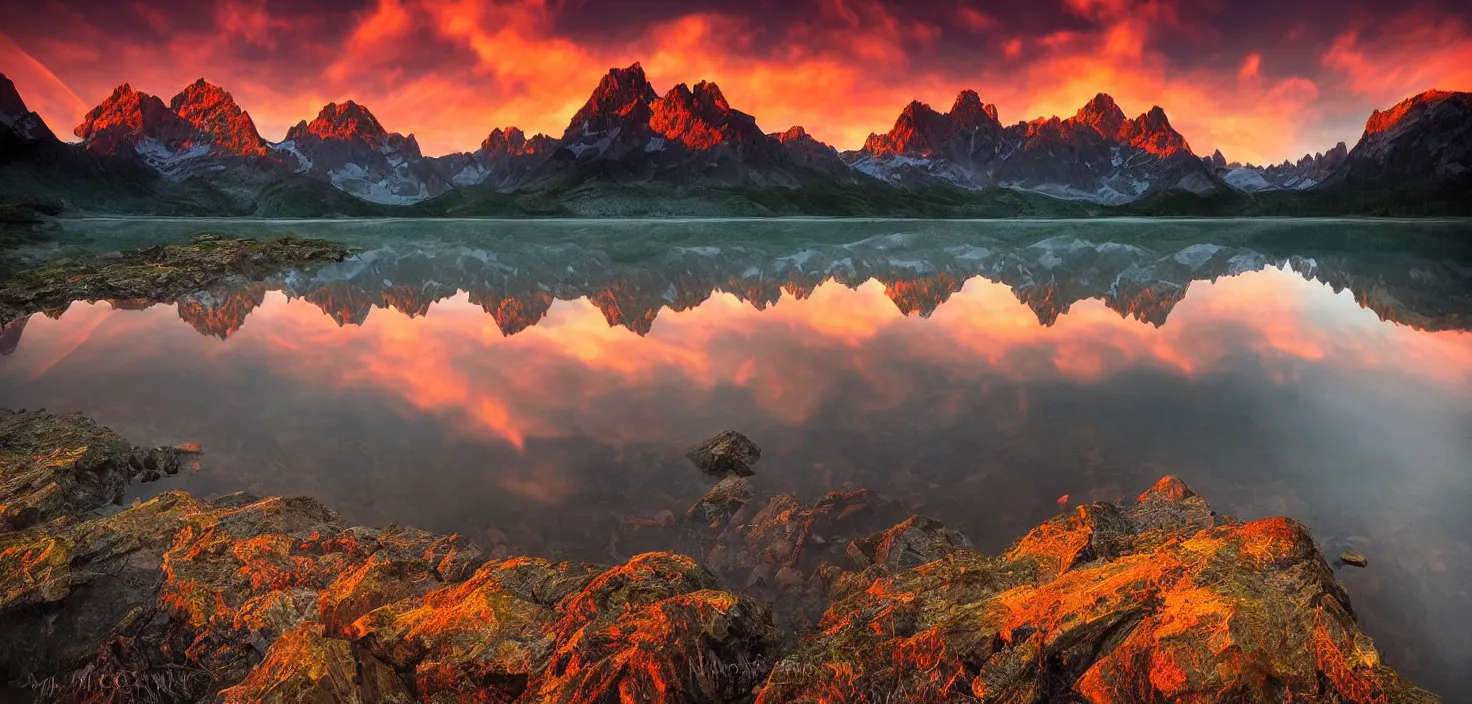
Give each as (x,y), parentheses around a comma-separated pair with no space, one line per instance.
(213,112)
(15,115)
(131,120)
(268,599)
(1097,155)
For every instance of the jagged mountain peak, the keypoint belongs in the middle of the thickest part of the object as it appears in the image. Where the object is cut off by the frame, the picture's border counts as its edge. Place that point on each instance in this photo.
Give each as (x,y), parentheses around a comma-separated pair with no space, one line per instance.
(623,96)
(793,134)
(1102,103)
(708,91)
(705,97)
(1103,114)
(700,118)
(1152,132)
(15,115)
(917,110)
(919,131)
(968,111)
(512,141)
(1425,139)
(128,117)
(1383,121)
(503,140)
(214,112)
(10,100)
(342,121)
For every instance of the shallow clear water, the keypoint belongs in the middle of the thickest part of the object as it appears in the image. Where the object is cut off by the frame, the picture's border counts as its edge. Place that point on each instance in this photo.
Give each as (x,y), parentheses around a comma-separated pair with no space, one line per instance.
(536,384)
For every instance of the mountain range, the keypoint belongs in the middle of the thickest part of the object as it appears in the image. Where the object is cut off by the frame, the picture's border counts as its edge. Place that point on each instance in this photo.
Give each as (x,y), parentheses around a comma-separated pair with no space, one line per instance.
(517,286)
(631,151)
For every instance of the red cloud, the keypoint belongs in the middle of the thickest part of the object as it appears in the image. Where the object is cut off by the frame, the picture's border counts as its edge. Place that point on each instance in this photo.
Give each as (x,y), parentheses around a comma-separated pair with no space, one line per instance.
(450,70)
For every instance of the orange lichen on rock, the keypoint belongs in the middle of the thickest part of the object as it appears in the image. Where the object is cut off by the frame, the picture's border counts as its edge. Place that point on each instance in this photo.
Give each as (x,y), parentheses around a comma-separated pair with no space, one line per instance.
(1158,600)
(1058,543)
(272,600)
(1169,488)
(304,666)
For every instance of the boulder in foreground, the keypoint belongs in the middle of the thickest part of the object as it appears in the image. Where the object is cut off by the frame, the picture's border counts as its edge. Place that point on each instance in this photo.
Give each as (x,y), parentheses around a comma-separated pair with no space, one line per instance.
(727,454)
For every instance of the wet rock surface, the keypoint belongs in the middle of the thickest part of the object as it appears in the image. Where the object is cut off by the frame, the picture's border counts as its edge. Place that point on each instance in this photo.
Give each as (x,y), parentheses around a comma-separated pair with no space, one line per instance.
(55,467)
(1159,600)
(161,274)
(250,599)
(727,454)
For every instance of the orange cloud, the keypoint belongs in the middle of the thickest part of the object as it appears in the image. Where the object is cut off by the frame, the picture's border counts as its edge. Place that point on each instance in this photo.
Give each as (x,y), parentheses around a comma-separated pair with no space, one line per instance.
(1414,53)
(450,70)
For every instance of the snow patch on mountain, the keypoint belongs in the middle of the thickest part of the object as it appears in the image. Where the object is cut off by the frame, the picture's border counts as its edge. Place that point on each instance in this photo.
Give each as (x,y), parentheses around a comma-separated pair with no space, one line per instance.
(289,147)
(1104,195)
(1247,180)
(168,163)
(471,175)
(353,179)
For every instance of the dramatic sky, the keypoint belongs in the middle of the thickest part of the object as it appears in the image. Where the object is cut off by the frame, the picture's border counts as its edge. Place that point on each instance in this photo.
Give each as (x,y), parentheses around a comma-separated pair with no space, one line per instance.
(1262,80)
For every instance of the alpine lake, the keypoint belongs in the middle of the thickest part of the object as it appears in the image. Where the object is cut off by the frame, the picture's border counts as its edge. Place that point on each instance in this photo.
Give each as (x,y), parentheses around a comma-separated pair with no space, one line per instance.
(534,385)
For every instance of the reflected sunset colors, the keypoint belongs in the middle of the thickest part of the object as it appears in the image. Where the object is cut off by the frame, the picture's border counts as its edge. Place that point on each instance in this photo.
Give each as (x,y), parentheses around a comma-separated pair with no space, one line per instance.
(968,395)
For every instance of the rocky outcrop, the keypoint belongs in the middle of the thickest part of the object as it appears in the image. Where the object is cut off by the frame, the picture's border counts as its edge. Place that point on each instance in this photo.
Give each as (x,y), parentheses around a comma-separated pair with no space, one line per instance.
(1158,600)
(273,600)
(246,599)
(270,599)
(84,467)
(164,273)
(729,453)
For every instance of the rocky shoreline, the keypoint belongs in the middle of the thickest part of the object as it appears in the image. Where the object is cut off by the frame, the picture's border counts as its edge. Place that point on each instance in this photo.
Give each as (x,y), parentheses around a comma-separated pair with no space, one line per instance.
(163,273)
(249,599)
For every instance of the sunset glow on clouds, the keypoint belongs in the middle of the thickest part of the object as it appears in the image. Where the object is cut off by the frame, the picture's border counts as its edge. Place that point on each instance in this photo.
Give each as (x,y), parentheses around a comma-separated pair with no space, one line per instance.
(1260,81)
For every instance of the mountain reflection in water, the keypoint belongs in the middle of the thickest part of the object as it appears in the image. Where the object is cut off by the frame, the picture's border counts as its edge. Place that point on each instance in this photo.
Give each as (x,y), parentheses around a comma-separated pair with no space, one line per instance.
(539,396)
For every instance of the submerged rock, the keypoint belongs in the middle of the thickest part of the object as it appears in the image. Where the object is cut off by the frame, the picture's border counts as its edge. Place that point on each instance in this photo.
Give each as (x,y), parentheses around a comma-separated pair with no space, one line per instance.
(1354,559)
(722,501)
(162,273)
(729,453)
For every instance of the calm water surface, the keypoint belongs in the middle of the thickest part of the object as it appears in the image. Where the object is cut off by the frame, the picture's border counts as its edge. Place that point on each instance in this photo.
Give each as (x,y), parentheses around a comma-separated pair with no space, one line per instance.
(535,385)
